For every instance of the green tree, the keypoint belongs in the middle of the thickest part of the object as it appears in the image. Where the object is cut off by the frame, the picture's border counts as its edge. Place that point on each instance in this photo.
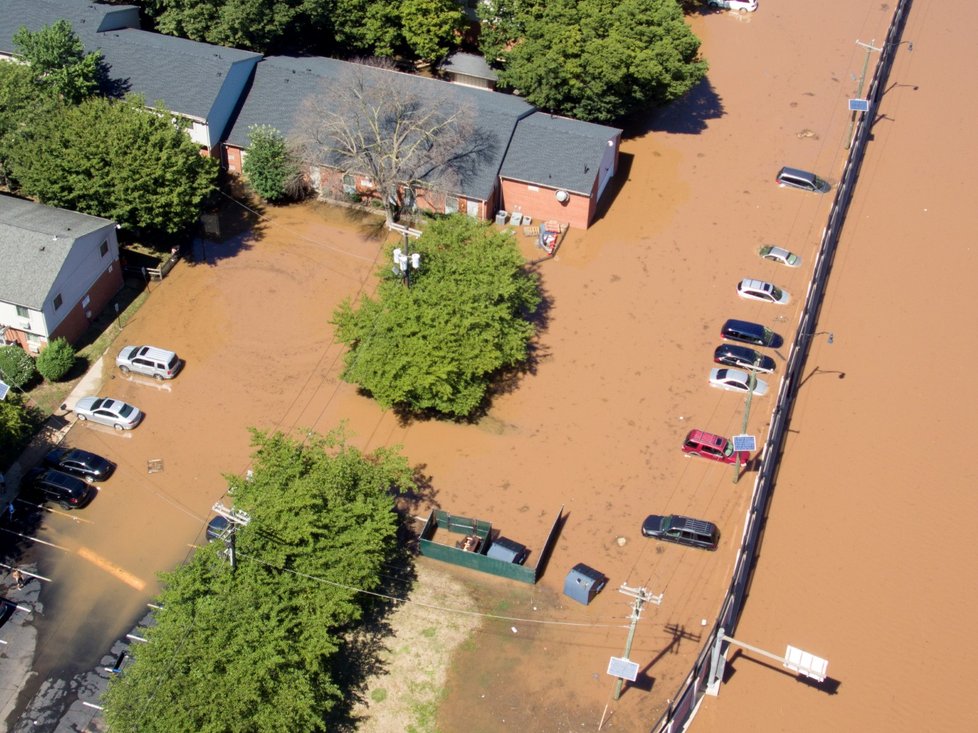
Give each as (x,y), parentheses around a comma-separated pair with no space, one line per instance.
(58,59)
(16,366)
(503,22)
(257,25)
(254,649)
(18,422)
(117,160)
(22,102)
(438,345)
(367,26)
(56,359)
(603,59)
(270,167)
(431,27)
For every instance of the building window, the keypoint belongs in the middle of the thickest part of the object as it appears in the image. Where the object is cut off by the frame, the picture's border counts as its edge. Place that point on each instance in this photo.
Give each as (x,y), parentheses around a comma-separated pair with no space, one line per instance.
(57,301)
(349,187)
(104,248)
(451,205)
(23,312)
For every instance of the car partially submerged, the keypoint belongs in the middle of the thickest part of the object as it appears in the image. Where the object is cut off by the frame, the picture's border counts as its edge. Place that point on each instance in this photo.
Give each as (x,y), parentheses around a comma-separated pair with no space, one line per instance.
(80,463)
(760,290)
(779,254)
(736,380)
(714,447)
(743,357)
(107,411)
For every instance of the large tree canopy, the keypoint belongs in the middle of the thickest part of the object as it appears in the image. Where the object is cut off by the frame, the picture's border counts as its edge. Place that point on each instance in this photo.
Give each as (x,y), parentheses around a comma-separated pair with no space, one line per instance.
(425,29)
(58,60)
(22,103)
(255,649)
(438,345)
(117,160)
(596,60)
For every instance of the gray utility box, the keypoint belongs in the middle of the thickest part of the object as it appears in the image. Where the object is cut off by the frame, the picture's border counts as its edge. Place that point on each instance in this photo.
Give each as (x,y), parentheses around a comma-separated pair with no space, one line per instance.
(507,551)
(584,583)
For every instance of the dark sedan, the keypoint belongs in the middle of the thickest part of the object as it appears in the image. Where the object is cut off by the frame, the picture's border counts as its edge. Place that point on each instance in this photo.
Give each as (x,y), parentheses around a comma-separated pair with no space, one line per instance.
(744,358)
(81,463)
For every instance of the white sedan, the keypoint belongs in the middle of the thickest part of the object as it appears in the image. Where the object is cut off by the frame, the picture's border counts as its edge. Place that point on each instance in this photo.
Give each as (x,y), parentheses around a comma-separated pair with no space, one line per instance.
(779,254)
(736,380)
(741,6)
(760,290)
(107,411)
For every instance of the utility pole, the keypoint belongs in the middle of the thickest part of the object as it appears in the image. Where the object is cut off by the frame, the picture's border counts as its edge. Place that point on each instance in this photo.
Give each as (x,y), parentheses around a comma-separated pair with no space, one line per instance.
(235,518)
(405,261)
(862,80)
(641,596)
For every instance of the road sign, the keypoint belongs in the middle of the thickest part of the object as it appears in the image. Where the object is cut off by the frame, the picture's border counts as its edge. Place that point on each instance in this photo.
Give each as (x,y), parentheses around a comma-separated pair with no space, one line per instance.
(859,105)
(806,664)
(744,443)
(623,668)
(4,388)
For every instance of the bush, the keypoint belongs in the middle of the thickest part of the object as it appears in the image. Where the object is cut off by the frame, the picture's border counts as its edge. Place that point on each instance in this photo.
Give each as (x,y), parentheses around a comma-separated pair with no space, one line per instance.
(56,359)
(16,366)
(18,422)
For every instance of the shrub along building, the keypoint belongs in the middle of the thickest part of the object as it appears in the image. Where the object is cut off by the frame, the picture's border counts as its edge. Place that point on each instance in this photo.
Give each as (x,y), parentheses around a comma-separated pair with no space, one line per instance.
(60,269)
(542,166)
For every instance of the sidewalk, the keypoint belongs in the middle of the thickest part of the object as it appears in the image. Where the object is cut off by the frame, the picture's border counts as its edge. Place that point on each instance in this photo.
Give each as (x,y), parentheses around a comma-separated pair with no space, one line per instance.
(52,432)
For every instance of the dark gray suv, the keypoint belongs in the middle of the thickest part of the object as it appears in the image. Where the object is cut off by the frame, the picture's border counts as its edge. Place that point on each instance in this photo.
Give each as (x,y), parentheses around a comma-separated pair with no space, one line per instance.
(682,530)
(67,491)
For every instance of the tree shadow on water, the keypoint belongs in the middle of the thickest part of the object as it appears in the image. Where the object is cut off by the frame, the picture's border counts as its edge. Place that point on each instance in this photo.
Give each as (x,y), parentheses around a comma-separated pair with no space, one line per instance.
(687,116)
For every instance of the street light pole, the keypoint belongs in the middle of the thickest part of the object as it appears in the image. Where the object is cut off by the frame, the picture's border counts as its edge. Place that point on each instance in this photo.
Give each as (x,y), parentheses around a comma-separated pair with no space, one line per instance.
(859,92)
(751,383)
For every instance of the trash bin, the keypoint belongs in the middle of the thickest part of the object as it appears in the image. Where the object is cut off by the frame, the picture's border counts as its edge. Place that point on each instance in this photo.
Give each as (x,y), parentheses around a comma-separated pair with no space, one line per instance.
(501,217)
(583,583)
(507,550)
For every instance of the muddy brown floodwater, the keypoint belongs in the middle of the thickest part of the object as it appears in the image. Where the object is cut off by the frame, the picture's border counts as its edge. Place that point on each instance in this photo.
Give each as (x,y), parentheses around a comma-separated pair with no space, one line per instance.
(634,309)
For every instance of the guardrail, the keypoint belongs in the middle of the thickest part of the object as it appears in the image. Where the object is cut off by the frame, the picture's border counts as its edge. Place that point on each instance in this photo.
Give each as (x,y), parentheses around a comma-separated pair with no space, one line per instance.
(690,693)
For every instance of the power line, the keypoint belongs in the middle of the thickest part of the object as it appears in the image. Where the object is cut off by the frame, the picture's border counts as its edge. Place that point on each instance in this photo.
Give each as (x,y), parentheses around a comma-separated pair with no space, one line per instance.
(445,609)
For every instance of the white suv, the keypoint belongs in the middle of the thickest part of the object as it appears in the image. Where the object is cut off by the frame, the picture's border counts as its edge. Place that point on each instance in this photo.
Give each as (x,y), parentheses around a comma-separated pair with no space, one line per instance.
(741,6)
(149,360)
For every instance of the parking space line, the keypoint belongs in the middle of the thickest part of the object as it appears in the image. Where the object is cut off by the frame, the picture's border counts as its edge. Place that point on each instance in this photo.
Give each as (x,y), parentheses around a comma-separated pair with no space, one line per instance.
(72,517)
(34,539)
(25,572)
(111,568)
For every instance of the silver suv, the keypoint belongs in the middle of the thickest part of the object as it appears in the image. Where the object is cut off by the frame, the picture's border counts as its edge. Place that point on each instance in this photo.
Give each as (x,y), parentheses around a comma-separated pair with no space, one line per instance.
(149,360)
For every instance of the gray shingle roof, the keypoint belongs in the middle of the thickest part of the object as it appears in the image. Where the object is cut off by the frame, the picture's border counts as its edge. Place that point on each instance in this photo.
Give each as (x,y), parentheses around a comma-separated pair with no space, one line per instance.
(469,64)
(186,75)
(558,152)
(86,18)
(34,242)
(282,83)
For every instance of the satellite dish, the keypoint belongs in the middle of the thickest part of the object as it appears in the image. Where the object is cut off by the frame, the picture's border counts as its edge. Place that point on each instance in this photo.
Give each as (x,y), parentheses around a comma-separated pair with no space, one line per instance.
(563,197)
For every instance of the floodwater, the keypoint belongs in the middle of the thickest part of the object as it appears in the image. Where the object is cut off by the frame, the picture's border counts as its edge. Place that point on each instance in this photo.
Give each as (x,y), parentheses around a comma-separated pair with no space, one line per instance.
(633,311)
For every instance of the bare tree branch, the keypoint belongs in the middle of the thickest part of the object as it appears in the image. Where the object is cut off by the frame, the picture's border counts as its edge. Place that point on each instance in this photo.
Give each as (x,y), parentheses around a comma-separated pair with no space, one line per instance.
(406,134)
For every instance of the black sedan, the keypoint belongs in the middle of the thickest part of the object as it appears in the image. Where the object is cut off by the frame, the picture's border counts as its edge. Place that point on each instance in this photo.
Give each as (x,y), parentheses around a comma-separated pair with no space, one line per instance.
(743,357)
(80,463)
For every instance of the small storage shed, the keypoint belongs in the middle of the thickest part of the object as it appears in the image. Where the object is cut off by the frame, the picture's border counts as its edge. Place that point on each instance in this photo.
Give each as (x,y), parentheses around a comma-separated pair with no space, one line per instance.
(507,550)
(583,583)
